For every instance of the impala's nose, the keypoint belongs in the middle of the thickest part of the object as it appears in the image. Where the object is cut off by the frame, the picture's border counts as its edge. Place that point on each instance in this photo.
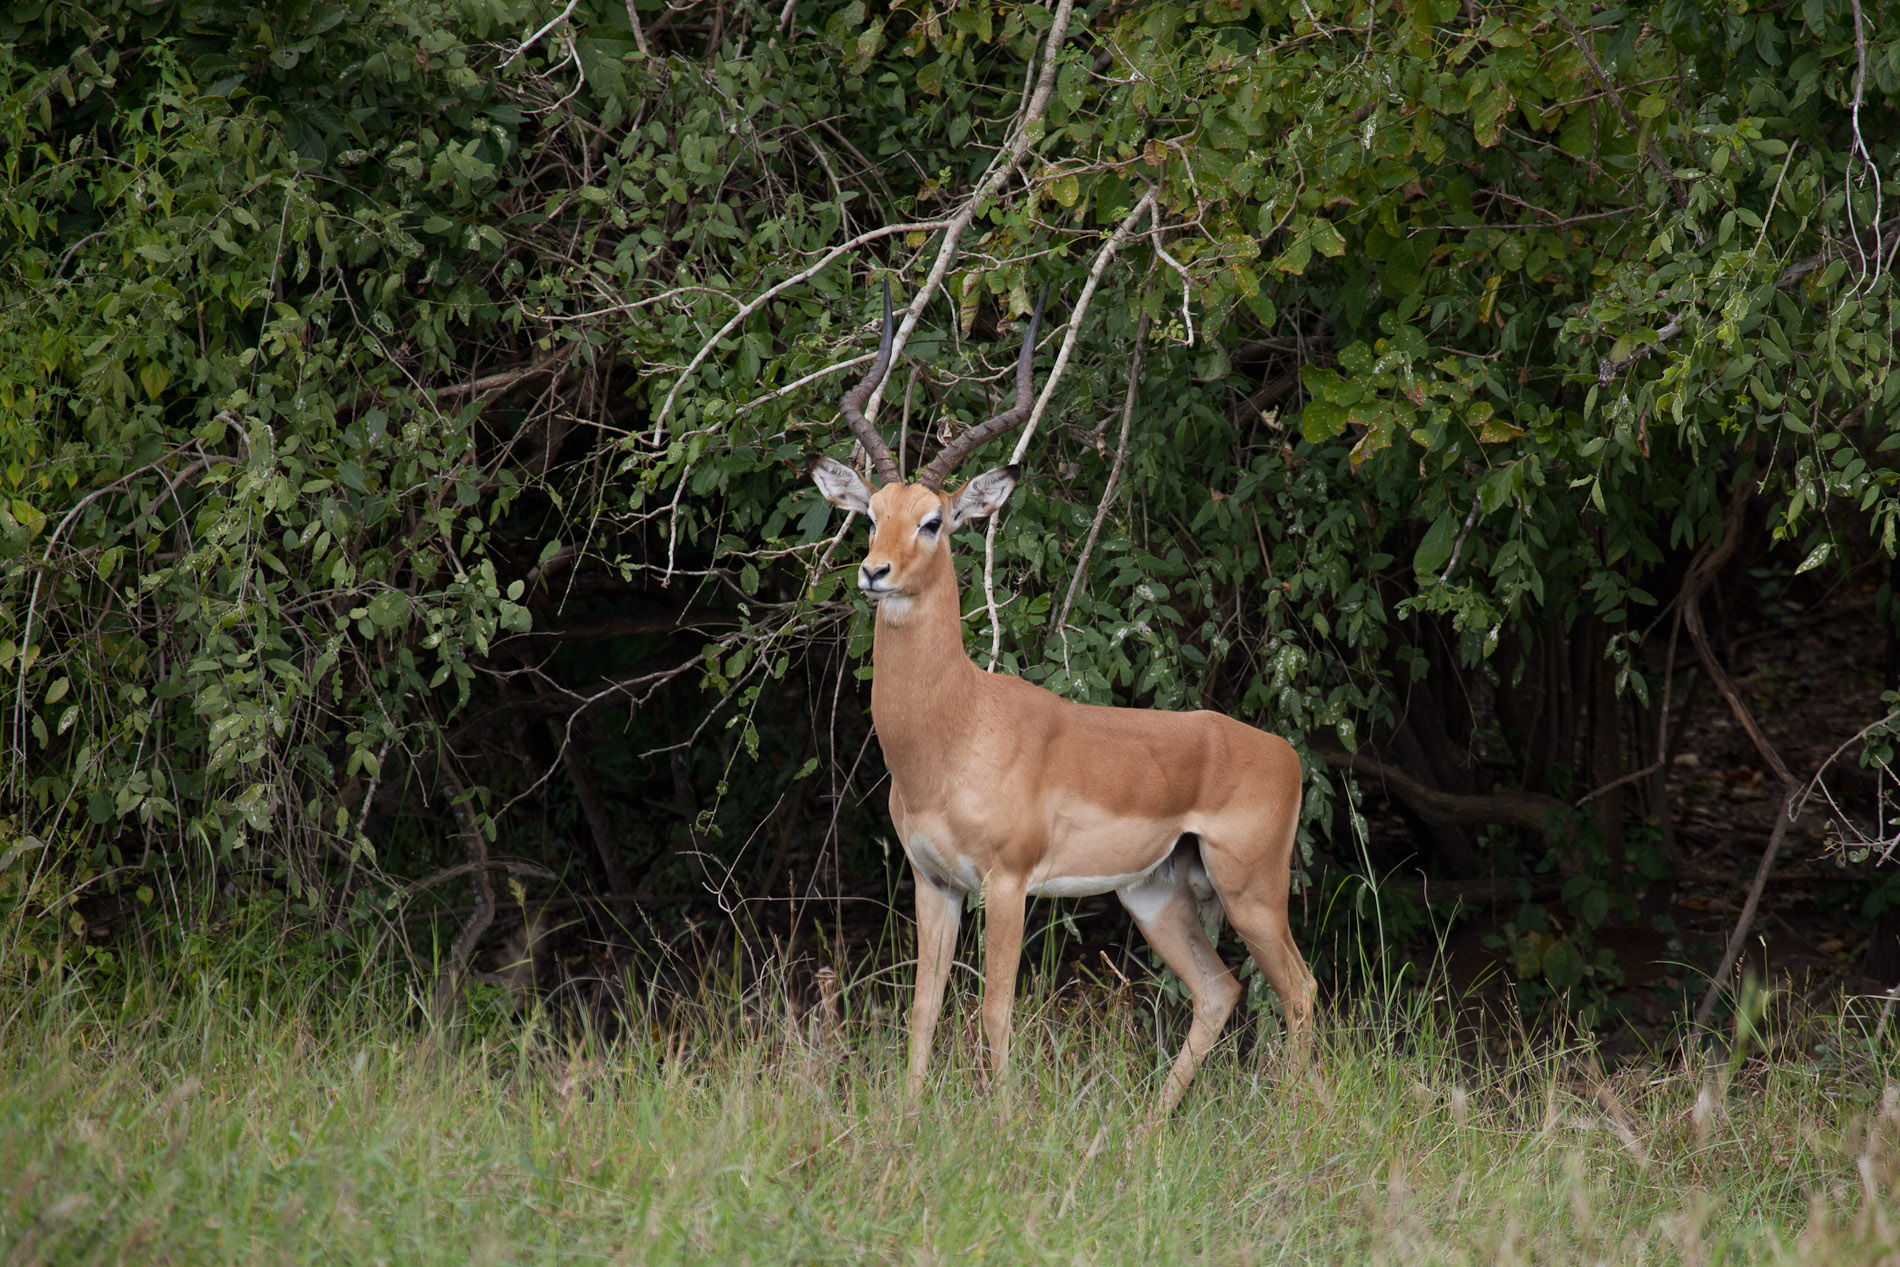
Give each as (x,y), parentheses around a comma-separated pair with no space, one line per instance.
(869,576)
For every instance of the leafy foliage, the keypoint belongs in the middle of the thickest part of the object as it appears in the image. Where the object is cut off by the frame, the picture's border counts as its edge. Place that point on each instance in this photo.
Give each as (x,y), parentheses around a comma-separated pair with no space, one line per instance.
(369,364)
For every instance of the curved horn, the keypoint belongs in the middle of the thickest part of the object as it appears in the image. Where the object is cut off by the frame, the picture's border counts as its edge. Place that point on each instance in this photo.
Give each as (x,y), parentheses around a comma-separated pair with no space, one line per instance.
(969,441)
(852,404)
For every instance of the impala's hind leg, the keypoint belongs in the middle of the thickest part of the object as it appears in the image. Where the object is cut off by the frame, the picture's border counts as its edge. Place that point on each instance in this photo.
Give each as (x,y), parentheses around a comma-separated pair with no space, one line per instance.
(1254,891)
(1165,909)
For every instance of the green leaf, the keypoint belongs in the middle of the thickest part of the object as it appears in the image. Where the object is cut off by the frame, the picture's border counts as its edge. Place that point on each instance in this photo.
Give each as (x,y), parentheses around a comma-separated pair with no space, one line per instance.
(389,610)
(1322,421)
(1294,258)
(1682,21)
(1577,137)
(1435,549)
(1563,965)
(1325,238)
(1488,115)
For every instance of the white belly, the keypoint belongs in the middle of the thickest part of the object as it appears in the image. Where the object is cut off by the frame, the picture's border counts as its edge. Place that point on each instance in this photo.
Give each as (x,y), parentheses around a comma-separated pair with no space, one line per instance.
(1144,891)
(1083,885)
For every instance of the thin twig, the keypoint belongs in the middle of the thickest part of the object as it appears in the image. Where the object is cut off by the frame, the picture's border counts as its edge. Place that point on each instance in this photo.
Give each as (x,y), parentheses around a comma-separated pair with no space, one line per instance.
(639,31)
(1702,571)
(806,381)
(1109,248)
(1783,817)
(448,982)
(1651,152)
(1860,147)
(1108,251)
(506,378)
(1114,479)
(771,293)
(1458,546)
(33,598)
(1187,279)
(1027,131)
(532,40)
(1609,367)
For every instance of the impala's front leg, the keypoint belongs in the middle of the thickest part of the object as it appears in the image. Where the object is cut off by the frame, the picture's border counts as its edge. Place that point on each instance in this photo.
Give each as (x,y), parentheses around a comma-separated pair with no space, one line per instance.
(939,912)
(1003,900)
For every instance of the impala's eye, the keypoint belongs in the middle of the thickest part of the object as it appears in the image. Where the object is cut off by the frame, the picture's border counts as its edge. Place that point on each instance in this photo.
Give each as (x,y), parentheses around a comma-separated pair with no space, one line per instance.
(929,527)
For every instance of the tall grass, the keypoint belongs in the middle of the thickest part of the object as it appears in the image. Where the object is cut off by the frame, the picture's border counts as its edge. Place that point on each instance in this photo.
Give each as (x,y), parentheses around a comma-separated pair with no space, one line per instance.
(250,1109)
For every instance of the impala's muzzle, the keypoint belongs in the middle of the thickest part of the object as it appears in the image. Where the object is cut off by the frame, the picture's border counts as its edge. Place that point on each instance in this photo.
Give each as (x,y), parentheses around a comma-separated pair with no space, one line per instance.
(871,579)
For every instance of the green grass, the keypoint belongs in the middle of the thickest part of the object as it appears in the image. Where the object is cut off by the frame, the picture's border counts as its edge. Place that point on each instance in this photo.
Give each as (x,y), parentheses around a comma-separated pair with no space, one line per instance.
(236,1117)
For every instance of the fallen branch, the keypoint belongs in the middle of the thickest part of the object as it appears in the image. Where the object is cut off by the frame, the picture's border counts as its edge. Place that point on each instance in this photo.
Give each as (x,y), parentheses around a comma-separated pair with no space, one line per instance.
(527,870)
(505,379)
(1732,951)
(1546,815)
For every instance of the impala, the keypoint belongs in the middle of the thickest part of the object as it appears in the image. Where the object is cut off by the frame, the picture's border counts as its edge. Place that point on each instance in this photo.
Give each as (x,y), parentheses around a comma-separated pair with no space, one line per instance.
(1002,788)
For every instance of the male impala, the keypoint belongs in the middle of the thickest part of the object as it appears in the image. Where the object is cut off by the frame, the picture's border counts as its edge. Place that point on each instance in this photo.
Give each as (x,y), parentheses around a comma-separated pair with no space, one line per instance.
(1002,787)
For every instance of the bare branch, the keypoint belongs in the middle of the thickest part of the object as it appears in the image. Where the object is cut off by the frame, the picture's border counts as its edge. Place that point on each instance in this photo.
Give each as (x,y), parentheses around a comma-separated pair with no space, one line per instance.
(1651,150)
(1108,251)
(806,381)
(1784,815)
(1028,130)
(505,379)
(1122,233)
(1114,479)
(534,39)
(772,292)
(1609,367)
(1540,813)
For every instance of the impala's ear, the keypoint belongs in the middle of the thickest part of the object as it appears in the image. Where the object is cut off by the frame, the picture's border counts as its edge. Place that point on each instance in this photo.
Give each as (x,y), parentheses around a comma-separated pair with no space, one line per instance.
(984,495)
(839,483)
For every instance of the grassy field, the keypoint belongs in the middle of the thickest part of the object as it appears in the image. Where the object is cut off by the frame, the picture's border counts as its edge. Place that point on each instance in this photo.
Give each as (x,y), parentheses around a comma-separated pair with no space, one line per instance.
(237,1116)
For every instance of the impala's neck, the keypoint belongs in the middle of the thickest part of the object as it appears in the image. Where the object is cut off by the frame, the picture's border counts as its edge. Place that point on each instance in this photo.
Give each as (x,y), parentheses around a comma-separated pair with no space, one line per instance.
(920,674)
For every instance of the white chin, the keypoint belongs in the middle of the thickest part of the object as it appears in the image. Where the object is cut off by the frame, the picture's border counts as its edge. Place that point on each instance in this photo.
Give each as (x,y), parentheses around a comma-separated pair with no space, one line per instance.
(893,604)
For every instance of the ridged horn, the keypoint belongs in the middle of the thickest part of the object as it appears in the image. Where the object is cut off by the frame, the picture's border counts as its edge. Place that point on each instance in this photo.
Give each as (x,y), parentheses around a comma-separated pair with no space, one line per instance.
(965,444)
(853,401)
